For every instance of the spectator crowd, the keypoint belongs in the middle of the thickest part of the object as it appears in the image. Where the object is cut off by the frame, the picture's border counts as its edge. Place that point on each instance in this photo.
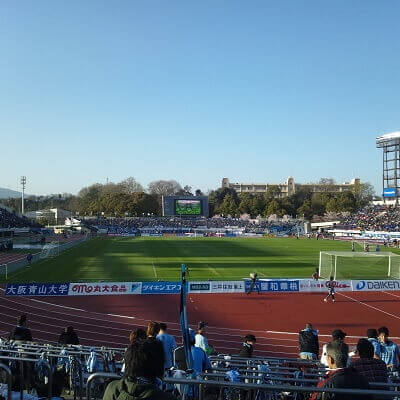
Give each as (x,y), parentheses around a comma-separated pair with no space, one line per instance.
(178,224)
(374,218)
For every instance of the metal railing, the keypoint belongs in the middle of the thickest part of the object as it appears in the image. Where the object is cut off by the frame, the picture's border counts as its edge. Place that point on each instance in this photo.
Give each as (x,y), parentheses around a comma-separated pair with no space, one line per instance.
(384,394)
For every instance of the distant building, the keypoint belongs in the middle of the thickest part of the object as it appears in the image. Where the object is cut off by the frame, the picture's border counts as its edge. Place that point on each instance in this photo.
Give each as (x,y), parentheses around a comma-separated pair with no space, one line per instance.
(289,187)
(52,214)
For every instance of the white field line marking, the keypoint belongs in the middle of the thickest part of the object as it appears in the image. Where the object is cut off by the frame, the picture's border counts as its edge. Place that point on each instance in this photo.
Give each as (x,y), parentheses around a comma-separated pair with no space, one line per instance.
(176,323)
(154,270)
(367,305)
(391,294)
(214,271)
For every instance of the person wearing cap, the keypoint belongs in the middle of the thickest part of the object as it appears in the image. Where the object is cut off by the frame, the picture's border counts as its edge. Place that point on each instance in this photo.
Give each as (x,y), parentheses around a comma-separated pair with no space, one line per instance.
(308,343)
(337,336)
(200,340)
(372,335)
(248,346)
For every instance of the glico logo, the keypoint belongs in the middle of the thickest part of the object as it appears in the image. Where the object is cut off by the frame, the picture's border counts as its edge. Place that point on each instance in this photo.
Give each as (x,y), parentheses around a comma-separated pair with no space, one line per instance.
(338,284)
(361,285)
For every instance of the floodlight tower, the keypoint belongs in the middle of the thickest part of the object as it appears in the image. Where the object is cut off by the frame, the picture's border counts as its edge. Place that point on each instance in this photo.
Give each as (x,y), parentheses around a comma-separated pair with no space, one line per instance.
(390,143)
(23,183)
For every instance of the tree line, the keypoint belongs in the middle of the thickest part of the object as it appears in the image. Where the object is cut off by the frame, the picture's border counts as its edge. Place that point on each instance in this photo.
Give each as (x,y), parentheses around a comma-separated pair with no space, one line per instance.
(130,198)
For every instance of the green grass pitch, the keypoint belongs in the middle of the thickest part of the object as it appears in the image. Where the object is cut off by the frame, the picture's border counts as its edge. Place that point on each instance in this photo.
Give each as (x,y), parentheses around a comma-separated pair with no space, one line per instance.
(143,259)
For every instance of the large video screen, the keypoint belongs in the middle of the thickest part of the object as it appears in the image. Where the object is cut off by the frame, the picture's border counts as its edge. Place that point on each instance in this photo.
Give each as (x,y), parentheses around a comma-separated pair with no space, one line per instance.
(187,207)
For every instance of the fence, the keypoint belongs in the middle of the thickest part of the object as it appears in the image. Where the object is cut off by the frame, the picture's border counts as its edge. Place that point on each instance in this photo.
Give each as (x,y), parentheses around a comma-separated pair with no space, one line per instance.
(256,388)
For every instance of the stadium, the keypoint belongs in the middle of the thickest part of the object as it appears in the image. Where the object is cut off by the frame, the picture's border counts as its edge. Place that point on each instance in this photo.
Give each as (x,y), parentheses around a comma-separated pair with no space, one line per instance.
(199,201)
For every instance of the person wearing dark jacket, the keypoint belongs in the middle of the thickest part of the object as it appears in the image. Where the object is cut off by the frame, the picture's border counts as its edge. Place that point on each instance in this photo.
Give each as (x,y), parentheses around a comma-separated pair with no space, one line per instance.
(68,336)
(340,376)
(248,346)
(144,363)
(308,343)
(21,332)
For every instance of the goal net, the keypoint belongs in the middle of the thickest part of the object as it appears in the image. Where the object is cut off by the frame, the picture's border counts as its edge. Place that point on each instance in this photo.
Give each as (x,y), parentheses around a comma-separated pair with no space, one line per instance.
(50,250)
(359,265)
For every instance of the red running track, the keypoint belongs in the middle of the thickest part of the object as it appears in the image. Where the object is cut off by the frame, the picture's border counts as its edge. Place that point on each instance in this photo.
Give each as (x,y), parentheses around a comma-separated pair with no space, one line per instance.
(274,318)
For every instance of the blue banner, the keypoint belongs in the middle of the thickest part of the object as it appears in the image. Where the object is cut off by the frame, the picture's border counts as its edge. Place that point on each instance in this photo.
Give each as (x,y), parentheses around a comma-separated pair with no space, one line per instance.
(37,289)
(276,285)
(161,287)
(389,192)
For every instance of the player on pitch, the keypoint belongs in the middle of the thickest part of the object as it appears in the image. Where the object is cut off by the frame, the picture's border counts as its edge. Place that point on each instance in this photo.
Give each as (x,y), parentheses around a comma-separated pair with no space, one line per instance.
(331,290)
(254,283)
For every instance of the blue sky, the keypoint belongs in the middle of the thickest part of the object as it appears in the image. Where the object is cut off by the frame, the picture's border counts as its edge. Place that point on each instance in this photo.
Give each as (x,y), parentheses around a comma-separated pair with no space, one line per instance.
(195,91)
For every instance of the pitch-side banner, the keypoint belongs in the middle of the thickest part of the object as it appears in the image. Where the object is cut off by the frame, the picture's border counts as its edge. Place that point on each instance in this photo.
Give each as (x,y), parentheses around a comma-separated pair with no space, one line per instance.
(311,285)
(376,285)
(216,287)
(104,288)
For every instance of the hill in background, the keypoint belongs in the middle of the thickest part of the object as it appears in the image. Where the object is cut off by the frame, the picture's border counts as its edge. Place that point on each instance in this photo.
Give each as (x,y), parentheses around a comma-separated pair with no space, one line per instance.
(8,193)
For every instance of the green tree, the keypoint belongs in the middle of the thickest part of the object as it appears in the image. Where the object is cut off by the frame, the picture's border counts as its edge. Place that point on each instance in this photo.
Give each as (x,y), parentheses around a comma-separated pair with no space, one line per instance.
(228,206)
(273,208)
(305,210)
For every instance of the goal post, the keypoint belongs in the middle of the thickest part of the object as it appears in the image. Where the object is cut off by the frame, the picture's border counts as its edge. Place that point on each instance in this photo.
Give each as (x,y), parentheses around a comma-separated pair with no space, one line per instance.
(359,265)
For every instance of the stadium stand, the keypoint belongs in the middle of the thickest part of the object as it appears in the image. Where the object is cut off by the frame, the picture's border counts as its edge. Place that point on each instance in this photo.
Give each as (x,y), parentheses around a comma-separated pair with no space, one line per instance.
(176,225)
(12,220)
(373,218)
(33,370)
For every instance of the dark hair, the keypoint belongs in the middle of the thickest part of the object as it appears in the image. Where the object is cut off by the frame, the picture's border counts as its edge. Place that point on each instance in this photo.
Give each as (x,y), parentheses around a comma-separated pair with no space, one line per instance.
(69,329)
(331,278)
(372,333)
(365,348)
(384,330)
(21,319)
(163,326)
(250,338)
(153,328)
(339,351)
(144,358)
(137,334)
(338,335)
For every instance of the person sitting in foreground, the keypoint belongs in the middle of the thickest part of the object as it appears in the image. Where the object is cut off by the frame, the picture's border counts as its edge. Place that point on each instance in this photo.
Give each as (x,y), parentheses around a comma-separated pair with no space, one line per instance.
(340,376)
(21,332)
(68,336)
(248,346)
(374,370)
(144,363)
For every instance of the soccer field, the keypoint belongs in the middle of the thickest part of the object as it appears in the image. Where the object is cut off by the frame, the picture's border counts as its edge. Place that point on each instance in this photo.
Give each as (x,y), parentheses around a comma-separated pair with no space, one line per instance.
(144,259)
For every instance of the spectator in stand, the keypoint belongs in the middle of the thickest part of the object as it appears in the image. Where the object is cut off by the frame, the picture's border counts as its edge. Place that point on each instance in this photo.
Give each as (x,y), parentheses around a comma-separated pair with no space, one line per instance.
(137,334)
(340,376)
(144,364)
(390,352)
(337,336)
(169,345)
(372,335)
(248,346)
(308,343)
(152,329)
(68,336)
(201,361)
(372,369)
(21,332)
(201,340)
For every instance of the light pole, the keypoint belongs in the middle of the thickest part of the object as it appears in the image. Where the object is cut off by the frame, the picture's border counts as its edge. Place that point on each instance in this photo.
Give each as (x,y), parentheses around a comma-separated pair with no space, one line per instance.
(23,183)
